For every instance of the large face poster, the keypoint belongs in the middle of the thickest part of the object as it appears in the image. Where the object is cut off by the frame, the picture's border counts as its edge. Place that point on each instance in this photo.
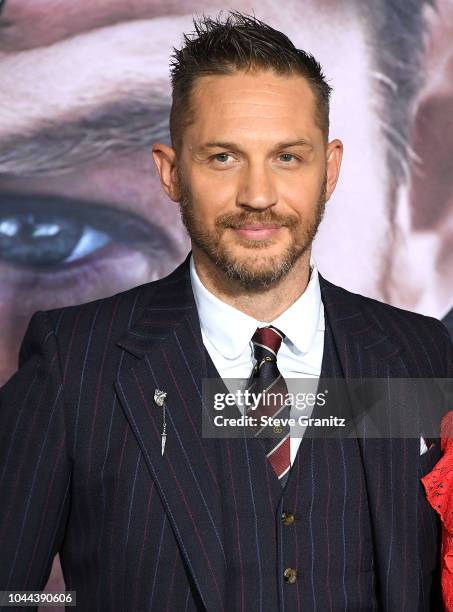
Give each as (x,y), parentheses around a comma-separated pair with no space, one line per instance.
(85,91)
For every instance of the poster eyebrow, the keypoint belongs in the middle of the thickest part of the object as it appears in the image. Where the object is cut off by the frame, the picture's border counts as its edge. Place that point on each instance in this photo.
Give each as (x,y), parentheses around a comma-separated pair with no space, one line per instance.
(57,145)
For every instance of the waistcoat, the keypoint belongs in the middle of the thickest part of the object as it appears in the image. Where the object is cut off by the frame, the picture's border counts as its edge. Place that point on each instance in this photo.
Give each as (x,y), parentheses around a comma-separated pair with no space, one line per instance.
(318,525)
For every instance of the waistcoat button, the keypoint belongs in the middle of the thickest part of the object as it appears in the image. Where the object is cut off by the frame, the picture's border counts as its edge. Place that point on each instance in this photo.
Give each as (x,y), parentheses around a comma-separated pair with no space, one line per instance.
(290,575)
(287,518)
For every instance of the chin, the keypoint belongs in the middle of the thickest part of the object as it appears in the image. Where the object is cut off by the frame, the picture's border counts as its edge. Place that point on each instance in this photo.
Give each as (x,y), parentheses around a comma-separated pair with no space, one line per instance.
(258,263)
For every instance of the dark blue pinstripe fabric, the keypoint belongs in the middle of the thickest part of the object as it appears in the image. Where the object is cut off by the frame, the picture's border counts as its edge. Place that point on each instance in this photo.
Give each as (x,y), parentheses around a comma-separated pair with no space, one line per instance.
(81,470)
(330,542)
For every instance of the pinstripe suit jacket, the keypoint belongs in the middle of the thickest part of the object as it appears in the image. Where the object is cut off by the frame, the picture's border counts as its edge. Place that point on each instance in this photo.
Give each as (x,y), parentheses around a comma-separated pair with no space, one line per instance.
(81,470)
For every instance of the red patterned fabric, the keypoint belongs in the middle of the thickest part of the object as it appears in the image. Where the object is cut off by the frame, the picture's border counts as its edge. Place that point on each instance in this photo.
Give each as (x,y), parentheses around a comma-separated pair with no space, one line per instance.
(439,491)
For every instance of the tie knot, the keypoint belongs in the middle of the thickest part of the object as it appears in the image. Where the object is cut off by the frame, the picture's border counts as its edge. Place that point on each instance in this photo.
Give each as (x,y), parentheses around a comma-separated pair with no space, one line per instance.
(268,338)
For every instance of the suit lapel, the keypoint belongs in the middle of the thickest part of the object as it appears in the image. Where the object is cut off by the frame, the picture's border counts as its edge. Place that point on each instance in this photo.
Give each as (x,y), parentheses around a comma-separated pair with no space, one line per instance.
(390,465)
(166,340)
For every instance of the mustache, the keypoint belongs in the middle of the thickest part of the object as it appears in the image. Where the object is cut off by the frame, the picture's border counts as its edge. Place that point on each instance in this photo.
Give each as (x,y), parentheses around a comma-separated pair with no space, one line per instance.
(236,220)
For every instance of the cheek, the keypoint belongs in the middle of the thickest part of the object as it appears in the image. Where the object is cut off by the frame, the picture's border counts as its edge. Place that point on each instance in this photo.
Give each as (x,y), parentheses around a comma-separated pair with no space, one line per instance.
(300,192)
(212,194)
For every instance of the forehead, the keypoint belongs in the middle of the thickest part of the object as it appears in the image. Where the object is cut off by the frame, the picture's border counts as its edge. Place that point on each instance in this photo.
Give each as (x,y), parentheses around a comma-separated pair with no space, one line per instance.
(243,85)
(244,100)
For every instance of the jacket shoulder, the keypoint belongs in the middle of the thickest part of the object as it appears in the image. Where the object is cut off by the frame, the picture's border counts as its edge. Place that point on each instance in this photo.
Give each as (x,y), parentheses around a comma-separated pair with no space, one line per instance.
(415,331)
(384,312)
(112,314)
(120,309)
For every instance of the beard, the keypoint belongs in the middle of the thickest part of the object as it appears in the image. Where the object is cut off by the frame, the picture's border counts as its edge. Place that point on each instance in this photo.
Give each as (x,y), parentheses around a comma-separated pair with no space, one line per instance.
(257,271)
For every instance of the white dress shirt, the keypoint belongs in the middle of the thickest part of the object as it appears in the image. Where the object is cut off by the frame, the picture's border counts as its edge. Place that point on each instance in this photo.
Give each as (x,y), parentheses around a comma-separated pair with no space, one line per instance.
(227,334)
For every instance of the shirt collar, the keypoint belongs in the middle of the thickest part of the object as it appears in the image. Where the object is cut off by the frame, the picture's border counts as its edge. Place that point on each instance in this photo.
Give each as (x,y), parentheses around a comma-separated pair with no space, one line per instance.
(299,322)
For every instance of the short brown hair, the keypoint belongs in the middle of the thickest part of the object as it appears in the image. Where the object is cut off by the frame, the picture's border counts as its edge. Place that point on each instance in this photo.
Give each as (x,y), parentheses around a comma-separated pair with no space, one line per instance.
(224,45)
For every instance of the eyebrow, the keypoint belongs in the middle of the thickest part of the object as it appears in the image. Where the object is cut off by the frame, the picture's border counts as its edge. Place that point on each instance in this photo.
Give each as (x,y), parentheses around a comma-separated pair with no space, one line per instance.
(300,142)
(58,145)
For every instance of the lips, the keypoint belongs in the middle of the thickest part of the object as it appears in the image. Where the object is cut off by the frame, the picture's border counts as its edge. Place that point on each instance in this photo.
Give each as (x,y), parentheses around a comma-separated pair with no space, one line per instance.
(258,226)
(257,231)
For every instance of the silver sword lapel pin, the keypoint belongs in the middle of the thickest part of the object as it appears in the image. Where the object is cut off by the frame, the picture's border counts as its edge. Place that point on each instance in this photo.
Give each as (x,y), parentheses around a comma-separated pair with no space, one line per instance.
(159,398)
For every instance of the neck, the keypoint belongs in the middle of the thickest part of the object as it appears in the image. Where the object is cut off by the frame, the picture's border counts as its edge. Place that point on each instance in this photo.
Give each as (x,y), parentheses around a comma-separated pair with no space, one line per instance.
(265,304)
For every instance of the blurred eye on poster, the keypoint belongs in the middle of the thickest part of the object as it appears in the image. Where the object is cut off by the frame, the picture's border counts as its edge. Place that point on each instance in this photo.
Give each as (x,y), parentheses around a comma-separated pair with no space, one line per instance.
(85,92)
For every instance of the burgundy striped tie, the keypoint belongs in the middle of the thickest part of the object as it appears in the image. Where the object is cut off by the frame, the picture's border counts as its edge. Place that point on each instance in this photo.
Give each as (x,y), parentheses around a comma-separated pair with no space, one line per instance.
(267,378)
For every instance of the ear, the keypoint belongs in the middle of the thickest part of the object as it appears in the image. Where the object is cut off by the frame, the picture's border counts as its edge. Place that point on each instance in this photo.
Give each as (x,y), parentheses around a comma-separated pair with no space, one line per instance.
(165,160)
(334,155)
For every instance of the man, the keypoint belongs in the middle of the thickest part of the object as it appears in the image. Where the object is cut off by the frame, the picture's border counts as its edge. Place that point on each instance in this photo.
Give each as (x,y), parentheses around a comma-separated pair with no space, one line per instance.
(85,92)
(102,453)
(75,171)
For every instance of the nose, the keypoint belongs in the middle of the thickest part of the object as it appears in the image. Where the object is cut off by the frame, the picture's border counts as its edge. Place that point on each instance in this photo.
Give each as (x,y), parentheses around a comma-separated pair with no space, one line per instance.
(257,189)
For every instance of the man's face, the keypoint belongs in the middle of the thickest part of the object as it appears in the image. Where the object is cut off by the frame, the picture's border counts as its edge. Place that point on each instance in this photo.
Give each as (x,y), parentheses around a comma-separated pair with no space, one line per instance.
(254,174)
(85,92)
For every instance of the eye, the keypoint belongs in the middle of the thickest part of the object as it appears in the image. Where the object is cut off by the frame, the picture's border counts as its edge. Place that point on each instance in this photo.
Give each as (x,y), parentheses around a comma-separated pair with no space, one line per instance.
(33,239)
(287,157)
(221,157)
(48,232)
